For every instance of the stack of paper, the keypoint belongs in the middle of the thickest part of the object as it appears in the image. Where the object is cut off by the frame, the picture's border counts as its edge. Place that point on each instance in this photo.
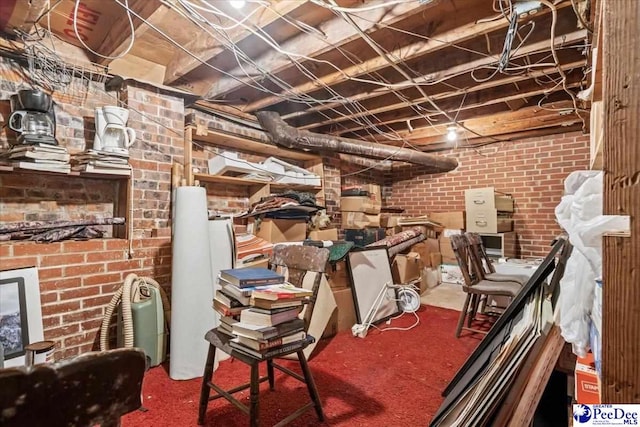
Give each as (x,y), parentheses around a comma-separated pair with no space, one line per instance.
(95,161)
(42,157)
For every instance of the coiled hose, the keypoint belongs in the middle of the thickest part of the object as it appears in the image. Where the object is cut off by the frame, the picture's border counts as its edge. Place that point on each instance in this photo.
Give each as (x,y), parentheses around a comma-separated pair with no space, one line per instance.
(127,293)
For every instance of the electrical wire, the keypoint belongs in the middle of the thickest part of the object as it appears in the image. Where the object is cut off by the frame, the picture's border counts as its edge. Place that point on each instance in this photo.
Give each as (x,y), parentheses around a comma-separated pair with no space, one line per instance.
(554,19)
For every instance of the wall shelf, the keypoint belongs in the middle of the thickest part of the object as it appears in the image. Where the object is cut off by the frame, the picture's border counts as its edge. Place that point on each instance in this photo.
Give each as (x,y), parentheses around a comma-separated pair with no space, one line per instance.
(256,189)
(232,180)
(122,190)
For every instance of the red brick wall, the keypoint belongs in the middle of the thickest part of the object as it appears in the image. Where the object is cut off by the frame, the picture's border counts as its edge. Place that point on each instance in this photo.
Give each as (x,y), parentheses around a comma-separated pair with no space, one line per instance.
(533,170)
(78,278)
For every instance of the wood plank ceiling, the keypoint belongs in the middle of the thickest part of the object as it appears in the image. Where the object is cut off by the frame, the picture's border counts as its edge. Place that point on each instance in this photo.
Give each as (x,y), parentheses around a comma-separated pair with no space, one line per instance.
(400,72)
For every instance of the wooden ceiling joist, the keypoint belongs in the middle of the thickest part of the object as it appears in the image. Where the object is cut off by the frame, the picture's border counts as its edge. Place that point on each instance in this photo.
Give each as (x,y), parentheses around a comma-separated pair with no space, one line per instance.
(451,100)
(551,114)
(23,14)
(488,98)
(405,53)
(336,33)
(439,74)
(206,47)
(118,38)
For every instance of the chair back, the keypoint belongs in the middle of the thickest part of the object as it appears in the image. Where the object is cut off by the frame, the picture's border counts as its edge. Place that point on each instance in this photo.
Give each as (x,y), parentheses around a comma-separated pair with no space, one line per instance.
(482,264)
(304,267)
(460,247)
(94,388)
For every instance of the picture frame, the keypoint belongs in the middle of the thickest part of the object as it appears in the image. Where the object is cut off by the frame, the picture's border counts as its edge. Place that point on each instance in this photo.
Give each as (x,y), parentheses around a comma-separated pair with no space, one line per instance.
(20,313)
(370,270)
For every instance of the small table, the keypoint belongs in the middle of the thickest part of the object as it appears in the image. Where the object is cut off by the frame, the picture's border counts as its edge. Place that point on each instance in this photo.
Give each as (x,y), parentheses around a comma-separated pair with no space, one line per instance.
(219,340)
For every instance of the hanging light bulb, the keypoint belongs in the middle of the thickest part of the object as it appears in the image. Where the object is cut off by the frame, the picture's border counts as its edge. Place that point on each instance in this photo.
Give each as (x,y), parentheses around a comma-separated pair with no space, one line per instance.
(238,4)
(452,133)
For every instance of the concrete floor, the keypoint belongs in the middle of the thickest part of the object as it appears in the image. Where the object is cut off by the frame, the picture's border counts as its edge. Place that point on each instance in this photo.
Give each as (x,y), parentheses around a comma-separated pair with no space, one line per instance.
(446,295)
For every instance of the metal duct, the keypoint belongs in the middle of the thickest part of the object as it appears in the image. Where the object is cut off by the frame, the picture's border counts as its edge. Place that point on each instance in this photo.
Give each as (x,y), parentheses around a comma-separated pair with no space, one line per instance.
(283,134)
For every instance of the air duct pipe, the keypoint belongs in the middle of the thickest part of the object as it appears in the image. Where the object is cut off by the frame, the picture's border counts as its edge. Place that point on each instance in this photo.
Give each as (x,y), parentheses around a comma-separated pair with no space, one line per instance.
(283,134)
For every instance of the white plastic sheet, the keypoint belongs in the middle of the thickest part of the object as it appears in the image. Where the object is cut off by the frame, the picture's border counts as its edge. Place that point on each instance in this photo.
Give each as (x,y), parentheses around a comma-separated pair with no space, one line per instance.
(580,215)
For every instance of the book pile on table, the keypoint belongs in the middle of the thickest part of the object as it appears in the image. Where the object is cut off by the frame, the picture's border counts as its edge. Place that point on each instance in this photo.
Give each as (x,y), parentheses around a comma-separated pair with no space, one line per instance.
(41,157)
(104,162)
(259,311)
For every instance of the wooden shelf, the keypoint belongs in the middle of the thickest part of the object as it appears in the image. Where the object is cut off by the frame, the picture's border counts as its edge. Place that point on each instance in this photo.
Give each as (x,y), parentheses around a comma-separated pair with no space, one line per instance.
(121,183)
(7,169)
(219,138)
(218,179)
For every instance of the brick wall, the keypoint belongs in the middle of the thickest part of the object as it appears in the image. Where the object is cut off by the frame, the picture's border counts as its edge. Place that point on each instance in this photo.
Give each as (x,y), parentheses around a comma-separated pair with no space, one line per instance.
(78,278)
(533,170)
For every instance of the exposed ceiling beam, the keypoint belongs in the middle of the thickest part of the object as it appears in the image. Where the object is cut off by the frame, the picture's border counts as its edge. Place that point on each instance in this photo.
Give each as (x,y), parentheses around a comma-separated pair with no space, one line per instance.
(207,47)
(386,105)
(486,99)
(447,73)
(118,37)
(336,32)
(400,55)
(441,143)
(533,117)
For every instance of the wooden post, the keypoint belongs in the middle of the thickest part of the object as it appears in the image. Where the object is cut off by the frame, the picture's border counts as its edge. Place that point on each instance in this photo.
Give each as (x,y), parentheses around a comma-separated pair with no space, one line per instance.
(188,161)
(621,161)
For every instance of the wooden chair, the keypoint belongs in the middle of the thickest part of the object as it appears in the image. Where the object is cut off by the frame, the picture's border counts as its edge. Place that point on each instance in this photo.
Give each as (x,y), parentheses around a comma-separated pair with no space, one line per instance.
(303,266)
(482,265)
(91,389)
(475,287)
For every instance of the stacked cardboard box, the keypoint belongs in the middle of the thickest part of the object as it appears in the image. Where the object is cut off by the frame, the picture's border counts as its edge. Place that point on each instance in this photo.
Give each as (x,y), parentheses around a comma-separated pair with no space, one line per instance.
(280,230)
(488,211)
(344,317)
(360,212)
(453,223)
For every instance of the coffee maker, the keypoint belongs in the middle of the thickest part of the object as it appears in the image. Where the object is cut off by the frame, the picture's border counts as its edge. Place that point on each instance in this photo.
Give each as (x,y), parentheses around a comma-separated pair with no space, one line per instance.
(32,117)
(112,133)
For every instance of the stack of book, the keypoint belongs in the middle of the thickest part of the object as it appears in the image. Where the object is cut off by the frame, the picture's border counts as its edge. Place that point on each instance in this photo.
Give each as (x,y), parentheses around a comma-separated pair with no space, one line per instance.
(94,161)
(259,311)
(41,157)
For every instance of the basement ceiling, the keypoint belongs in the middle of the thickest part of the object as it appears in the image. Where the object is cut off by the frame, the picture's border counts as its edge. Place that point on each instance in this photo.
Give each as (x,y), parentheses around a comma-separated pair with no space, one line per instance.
(403,72)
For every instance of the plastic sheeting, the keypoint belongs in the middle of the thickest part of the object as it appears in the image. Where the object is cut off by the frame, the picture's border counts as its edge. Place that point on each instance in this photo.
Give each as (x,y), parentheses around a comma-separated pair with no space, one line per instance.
(580,215)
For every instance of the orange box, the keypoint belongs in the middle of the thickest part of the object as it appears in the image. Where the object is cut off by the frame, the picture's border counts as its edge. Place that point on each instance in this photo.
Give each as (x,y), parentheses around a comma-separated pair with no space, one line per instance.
(587,382)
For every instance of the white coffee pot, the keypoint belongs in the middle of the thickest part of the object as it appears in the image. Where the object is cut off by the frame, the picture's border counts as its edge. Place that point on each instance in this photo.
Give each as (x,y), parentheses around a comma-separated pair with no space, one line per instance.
(112,133)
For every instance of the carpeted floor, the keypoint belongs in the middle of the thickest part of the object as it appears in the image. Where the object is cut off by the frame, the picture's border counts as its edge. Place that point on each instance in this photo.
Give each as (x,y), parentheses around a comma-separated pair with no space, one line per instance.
(391,378)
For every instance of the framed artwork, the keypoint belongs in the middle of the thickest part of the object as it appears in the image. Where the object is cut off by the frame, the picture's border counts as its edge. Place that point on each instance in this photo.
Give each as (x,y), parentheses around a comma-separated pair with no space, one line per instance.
(370,271)
(20,313)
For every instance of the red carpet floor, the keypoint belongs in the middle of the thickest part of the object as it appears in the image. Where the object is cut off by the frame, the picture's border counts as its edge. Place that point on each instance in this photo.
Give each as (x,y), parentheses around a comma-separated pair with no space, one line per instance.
(391,378)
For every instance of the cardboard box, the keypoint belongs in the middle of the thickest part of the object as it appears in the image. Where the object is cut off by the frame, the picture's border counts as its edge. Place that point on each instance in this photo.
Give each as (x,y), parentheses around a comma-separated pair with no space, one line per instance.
(389,220)
(436,260)
(364,237)
(406,268)
(452,220)
(360,204)
(327,234)
(281,230)
(337,275)
(332,326)
(487,221)
(487,198)
(586,381)
(425,249)
(359,220)
(346,312)
(448,256)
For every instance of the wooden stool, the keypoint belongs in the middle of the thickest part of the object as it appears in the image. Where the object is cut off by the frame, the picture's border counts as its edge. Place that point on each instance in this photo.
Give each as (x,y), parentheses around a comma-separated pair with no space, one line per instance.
(218,340)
